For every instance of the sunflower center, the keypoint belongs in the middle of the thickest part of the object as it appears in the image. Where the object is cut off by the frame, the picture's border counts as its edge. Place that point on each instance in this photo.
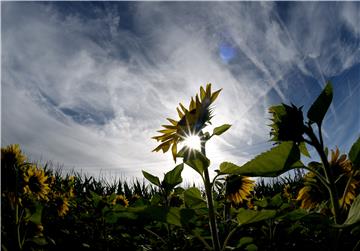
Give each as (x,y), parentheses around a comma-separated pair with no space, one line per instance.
(34,184)
(193,142)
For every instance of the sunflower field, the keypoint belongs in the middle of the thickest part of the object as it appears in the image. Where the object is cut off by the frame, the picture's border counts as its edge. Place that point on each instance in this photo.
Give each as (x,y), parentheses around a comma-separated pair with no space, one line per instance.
(315,207)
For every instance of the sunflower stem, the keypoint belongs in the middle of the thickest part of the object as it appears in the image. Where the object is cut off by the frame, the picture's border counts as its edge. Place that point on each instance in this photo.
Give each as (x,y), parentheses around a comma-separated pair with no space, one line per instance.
(212,218)
(321,178)
(328,172)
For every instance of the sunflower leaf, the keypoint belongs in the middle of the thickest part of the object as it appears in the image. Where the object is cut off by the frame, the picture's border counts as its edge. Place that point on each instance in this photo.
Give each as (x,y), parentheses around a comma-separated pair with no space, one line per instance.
(354,213)
(221,129)
(247,216)
(319,108)
(153,179)
(198,162)
(173,177)
(354,154)
(284,157)
(193,199)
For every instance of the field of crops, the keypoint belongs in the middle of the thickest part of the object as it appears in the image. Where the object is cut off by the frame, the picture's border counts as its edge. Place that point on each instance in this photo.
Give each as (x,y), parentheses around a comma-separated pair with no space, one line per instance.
(317,207)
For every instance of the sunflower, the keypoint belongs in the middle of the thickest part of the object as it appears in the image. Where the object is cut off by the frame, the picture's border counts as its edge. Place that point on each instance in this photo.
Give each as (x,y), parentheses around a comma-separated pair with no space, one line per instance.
(238,188)
(12,156)
(314,192)
(36,183)
(62,205)
(12,159)
(121,200)
(342,168)
(191,121)
(288,123)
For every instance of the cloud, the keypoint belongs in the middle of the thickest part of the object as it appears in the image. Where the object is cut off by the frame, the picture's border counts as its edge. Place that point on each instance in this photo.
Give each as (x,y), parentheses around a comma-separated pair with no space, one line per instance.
(89,87)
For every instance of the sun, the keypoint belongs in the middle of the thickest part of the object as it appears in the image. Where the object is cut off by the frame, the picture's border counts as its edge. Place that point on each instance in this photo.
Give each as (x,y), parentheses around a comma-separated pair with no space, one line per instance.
(193,142)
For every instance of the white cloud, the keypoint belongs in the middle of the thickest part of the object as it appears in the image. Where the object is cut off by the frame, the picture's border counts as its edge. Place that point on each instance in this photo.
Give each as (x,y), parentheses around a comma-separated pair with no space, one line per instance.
(84,91)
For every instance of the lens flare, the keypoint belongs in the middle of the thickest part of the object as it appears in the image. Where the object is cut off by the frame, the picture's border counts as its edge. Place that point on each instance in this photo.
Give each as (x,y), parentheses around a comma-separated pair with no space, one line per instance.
(193,142)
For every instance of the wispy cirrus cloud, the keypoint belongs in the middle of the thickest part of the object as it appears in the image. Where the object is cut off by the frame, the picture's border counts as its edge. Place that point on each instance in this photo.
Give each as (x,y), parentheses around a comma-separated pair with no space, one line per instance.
(88,84)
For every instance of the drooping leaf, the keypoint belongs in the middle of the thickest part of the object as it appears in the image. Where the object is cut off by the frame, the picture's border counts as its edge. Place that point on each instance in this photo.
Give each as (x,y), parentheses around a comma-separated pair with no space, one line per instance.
(274,162)
(354,154)
(198,162)
(173,177)
(221,129)
(319,108)
(247,216)
(153,179)
(193,199)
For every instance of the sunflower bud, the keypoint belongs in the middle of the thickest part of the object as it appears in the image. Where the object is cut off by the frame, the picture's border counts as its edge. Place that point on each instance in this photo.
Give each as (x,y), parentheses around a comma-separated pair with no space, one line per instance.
(288,123)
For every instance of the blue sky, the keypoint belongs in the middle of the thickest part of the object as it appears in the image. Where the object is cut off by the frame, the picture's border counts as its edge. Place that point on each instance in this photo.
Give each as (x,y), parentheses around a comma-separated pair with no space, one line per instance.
(87,84)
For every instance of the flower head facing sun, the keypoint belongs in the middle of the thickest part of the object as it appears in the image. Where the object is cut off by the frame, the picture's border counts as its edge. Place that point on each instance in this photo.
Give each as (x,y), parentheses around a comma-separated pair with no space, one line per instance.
(238,188)
(191,121)
(36,185)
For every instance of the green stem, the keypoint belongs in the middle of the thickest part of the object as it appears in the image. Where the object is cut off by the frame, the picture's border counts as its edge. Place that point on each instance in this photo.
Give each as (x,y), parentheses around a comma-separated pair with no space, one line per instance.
(328,172)
(212,218)
(321,178)
(229,236)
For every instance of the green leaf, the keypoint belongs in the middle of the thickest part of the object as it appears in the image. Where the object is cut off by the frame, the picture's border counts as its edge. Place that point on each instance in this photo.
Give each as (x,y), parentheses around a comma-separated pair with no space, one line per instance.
(354,212)
(354,154)
(247,216)
(319,108)
(34,214)
(173,216)
(221,129)
(198,162)
(303,149)
(251,247)
(173,177)
(272,163)
(276,201)
(153,179)
(245,241)
(193,199)
(295,215)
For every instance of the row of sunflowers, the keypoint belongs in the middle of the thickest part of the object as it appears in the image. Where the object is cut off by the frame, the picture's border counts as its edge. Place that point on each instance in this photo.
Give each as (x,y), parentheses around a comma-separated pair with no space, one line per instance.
(316,207)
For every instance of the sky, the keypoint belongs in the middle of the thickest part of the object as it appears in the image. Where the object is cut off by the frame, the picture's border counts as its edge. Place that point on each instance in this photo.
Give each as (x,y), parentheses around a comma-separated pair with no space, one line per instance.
(86,85)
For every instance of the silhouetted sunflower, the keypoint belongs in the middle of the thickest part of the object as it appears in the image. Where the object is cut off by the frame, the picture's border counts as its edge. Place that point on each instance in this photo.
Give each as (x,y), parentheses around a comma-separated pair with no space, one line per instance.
(121,200)
(36,183)
(238,188)
(11,155)
(288,123)
(191,121)
(12,159)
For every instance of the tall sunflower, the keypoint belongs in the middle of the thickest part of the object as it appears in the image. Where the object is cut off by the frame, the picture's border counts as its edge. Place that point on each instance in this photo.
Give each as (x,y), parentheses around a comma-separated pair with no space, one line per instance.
(191,121)
(35,183)
(238,188)
(314,192)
